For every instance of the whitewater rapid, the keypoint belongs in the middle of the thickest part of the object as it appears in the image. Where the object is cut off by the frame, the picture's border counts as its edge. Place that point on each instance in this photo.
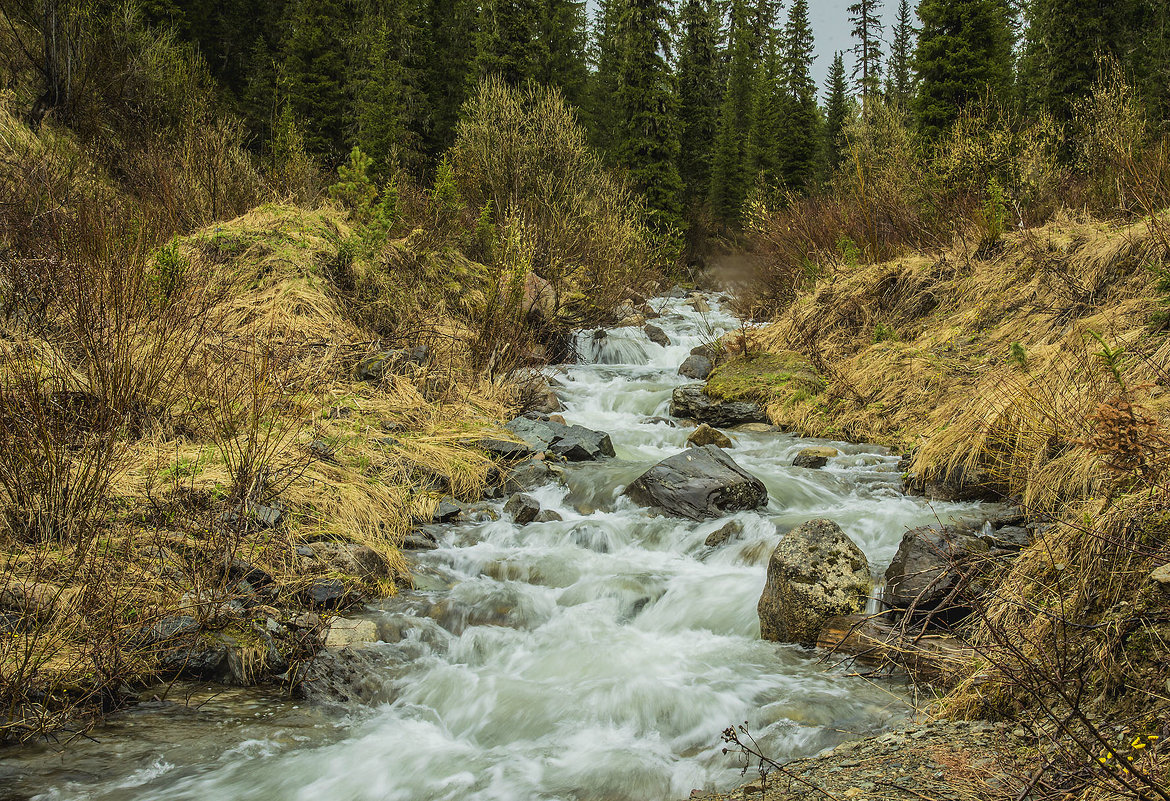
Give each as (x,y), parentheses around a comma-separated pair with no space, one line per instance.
(598,657)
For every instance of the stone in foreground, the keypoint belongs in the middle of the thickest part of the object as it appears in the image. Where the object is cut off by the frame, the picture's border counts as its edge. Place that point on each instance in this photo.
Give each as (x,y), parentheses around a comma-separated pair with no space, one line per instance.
(815,458)
(929,564)
(698,484)
(690,401)
(523,508)
(575,443)
(815,573)
(696,367)
(705,435)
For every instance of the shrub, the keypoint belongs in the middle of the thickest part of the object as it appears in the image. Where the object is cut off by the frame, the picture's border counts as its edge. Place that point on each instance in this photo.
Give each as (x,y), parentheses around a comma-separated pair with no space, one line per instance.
(521,154)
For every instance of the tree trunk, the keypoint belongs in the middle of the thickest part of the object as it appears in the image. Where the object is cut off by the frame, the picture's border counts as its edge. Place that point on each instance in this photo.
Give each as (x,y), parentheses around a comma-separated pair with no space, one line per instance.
(930,658)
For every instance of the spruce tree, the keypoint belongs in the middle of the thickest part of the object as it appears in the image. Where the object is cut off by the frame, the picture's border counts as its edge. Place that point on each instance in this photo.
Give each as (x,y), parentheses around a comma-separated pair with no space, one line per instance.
(1064,41)
(899,78)
(446,61)
(563,63)
(380,90)
(798,140)
(770,107)
(646,101)
(315,75)
(964,54)
(729,179)
(607,55)
(699,90)
(836,111)
(508,44)
(865,15)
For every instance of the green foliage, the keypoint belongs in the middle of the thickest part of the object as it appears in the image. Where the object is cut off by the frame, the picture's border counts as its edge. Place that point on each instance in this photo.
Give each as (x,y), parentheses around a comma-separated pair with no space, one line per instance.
(522,159)
(648,145)
(849,252)
(167,274)
(1018,355)
(509,44)
(884,333)
(315,75)
(995,214)
(900,80)
(699,91)
(729,170)
(865,15)
(964,55)
(799,137)
(485,231)
(836,112)
(445,201)
(354,188)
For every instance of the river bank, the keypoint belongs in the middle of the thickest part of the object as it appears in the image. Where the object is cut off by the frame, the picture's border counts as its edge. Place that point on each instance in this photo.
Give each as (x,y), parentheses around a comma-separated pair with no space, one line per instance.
(601,652)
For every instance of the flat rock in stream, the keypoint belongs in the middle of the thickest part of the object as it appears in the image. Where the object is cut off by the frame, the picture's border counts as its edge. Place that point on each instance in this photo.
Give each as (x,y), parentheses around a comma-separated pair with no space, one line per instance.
(575,443)
(690,401)
(699,483)
(656,335)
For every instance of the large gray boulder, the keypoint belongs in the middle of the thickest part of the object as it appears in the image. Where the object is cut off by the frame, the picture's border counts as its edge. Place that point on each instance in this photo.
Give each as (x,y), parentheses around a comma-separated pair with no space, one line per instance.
(656,335)
(816,572)
(698,483)
(690,401)
(929,564)
(697,367)
(575,443)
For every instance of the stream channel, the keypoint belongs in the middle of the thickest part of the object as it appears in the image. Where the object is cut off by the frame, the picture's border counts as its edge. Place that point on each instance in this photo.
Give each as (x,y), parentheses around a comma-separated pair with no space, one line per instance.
(598,657)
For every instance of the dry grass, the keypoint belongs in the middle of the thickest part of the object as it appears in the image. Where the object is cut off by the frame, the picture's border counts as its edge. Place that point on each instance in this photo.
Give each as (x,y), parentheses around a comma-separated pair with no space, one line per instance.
(982,363)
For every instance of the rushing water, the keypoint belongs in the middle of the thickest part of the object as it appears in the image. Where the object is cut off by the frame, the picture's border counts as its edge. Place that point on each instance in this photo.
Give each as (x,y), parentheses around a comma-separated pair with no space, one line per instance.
(594,658)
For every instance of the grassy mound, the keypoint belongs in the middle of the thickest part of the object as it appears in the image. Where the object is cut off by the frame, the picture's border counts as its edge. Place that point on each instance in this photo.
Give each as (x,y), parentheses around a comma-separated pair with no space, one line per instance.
(1040,365)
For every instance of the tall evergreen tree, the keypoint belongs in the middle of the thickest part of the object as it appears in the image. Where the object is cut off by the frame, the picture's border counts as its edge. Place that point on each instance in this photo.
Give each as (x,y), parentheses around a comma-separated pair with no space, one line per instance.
(865,15)
(798,140)
(509,43)
(836,111)
(768,111)
(385,92)
(563,33)
(1065,40)
(315,75)
(646,100)
(899,77)
(729,177)
(607,54)
(447,61)
(699,90)
(964,53)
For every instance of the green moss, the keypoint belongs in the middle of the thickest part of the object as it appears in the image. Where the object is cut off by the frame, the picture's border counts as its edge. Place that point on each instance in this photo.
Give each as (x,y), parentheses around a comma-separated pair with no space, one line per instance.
(764,377)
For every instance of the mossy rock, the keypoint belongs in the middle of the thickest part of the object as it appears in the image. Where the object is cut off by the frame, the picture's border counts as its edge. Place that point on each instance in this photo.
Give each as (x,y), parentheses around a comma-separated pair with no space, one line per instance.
(763,377)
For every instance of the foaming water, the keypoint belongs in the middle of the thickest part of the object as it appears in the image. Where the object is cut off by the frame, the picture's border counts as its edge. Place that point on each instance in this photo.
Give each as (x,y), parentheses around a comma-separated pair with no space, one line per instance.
(597,657)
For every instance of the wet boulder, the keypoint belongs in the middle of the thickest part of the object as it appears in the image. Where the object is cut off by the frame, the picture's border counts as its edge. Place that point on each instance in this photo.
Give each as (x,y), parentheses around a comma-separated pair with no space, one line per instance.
(699,304)
(929,564)
(724,533)
(816,572)
(423,538)
(503,448)
(575,443)
(350,632)
(690,401)
(697,367)
(705,435)
(656,335)
(815,458)
(530,474)
(698,484)
(523,508)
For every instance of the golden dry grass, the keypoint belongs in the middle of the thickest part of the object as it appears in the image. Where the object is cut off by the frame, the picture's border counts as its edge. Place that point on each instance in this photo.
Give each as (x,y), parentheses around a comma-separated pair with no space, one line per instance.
(985,363)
